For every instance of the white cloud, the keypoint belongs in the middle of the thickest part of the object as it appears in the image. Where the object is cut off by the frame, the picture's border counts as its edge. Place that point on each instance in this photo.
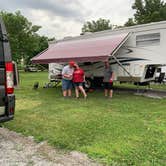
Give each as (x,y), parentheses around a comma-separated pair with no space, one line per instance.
(117,11)
(59,26)
(54,25)
(61,18)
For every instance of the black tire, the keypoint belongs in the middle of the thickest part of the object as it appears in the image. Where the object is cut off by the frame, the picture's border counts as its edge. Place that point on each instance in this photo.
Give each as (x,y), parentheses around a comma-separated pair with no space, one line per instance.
(87,84)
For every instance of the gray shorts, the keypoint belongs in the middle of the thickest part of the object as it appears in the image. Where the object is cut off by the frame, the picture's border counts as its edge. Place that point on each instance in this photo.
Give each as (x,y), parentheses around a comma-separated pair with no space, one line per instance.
(67,84)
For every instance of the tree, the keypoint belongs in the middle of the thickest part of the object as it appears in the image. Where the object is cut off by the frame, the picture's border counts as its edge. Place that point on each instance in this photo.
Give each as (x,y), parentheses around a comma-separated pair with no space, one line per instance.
(130,22)
(95,26)
(147,11)
(24,40)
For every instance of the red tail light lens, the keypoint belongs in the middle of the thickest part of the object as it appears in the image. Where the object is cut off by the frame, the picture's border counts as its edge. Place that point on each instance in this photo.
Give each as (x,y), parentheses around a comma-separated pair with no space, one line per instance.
(9,78)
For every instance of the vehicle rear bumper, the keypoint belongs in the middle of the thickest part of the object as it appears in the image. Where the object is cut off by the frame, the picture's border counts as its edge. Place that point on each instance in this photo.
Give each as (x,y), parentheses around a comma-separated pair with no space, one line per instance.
(6,118)
(9,108)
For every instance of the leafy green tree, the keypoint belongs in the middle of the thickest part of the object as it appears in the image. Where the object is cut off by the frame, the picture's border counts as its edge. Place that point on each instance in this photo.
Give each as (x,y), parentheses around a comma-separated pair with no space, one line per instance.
(147,11)
(24,40)
(130,22)
(95,26)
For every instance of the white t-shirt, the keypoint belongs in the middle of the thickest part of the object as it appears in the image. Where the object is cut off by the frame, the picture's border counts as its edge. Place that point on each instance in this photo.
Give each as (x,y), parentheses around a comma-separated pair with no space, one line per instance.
(69,71)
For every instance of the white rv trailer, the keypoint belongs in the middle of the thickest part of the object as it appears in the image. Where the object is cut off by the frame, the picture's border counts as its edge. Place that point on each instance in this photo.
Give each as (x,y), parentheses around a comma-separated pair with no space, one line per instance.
(136,60)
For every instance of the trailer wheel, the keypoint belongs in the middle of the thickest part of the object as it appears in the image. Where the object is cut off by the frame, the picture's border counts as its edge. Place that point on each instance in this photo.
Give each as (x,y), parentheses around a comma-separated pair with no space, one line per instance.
(87,84)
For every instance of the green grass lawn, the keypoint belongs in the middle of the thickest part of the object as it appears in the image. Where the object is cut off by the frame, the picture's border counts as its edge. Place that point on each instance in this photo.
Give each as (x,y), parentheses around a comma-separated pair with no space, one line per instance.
(127,130)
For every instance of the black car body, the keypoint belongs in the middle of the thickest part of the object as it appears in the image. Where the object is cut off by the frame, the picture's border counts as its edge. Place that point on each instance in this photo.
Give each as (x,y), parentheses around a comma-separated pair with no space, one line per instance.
(7,97)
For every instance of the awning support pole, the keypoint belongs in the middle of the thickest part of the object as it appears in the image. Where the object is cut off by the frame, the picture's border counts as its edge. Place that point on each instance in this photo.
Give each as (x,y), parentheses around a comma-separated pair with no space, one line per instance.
(121,65)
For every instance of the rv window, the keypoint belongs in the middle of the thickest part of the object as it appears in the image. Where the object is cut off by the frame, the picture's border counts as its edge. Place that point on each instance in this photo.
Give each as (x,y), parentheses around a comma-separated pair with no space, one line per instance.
(148,39)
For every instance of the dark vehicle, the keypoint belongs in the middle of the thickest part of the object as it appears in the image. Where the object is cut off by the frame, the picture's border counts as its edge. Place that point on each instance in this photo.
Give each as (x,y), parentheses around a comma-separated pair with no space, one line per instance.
(30,68)
(7,97)
(34,68)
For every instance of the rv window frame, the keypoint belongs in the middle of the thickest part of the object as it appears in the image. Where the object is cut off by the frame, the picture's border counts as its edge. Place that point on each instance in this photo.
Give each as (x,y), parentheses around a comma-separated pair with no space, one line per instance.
(148,40)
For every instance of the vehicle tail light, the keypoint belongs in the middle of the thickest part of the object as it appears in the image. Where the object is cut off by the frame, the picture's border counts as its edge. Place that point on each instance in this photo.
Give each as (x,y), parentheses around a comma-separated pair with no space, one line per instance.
(9,78)
(12,110)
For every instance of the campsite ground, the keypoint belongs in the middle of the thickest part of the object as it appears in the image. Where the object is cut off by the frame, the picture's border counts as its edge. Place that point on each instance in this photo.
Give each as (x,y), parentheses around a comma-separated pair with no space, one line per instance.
(127,130)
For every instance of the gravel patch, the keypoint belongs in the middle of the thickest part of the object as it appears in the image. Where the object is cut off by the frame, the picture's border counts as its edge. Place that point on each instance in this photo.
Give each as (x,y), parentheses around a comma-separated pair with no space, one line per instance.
(17,150)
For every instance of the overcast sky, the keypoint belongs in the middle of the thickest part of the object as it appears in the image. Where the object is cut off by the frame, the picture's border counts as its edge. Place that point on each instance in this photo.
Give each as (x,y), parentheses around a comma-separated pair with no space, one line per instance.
(60,18)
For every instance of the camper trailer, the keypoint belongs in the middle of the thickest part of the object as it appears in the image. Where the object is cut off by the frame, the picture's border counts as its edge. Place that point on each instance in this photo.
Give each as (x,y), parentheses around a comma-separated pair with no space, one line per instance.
(55,70)
(134,59)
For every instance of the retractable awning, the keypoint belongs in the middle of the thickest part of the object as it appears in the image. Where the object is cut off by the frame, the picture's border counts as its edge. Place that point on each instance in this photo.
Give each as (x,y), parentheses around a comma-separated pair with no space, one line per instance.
(82,50)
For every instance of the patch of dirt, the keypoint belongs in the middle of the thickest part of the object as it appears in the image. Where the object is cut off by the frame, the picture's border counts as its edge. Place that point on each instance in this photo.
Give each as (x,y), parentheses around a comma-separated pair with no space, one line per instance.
(17,150)
(150,95)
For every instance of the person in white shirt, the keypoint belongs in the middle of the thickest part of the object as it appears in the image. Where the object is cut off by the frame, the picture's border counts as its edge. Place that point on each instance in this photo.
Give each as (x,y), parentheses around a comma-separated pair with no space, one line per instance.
(67,76)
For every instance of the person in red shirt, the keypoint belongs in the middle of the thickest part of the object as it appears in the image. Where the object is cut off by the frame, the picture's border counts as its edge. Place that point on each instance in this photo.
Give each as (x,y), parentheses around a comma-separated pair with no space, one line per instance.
(78,80)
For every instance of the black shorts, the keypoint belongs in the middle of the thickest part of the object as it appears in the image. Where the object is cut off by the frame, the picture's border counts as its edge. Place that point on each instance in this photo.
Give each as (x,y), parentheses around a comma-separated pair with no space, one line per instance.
(108,85)
(76,84)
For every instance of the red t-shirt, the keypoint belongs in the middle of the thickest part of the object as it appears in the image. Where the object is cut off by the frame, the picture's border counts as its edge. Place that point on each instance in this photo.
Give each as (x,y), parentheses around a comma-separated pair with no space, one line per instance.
(78,75)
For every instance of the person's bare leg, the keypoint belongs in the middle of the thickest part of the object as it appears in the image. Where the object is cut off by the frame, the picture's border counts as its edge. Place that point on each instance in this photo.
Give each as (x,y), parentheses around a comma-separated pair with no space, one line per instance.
(106,92)
(83,91)
(77,92)
(111,93)
(69,92)
(64,93)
